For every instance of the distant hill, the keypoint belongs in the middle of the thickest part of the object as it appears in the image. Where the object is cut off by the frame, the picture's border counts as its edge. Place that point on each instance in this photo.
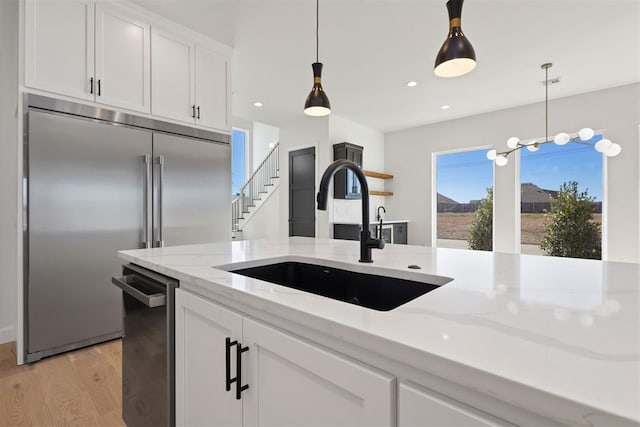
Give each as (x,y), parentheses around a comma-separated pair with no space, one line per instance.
(533,199)
(531,193)
(444,199)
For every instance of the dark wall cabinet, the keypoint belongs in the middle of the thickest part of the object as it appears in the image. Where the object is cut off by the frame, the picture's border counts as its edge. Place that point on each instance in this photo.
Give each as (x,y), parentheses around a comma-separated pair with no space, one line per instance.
(352,232)
(346,185)
(400,233)
(346,231)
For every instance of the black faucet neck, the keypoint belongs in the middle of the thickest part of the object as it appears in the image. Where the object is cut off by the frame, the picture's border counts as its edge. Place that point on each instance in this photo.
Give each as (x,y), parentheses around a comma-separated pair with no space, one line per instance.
(366,242)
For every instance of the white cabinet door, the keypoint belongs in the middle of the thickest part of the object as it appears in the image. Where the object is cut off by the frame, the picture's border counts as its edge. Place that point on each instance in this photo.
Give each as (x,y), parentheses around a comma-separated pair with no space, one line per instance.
(212,89)
(172,76)
(122,60)
(201,330)
(59,37)
(295,383)
(419,407)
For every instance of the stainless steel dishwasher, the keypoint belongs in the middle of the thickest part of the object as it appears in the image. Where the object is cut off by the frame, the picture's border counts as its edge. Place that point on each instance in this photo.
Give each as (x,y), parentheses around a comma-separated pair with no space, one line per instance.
(148,345)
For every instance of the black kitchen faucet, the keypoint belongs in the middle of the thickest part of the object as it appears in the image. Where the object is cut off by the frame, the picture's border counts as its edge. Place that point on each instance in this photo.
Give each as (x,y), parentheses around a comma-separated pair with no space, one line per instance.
(366,241)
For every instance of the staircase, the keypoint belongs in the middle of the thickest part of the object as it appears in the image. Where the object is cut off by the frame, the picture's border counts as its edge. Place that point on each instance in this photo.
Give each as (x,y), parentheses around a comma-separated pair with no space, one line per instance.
(257,188)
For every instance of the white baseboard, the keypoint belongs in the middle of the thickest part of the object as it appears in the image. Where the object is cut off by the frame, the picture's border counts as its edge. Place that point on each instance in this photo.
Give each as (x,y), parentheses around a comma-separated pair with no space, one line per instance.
(7,334)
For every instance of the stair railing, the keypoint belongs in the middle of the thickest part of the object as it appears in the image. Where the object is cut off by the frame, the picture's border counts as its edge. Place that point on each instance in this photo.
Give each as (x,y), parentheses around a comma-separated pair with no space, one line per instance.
(255,186)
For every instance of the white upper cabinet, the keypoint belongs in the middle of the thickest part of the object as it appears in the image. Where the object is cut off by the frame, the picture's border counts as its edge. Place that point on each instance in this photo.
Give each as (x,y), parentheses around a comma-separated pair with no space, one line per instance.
(190,82)
(172,76)
(213,94)
(122,60)
(114,54)
(59,46)
(95,52)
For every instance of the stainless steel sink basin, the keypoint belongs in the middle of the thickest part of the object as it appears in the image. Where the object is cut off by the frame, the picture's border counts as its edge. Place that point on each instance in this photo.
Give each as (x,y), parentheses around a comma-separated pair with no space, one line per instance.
(368,290)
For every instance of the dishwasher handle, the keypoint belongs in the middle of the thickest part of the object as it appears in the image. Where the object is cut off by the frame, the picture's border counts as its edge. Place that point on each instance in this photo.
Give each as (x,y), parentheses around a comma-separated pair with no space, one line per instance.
(153,300)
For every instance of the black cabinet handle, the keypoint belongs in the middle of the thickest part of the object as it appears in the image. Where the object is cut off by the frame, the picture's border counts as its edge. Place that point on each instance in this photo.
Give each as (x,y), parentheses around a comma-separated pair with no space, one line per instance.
(91,85)
(229,380)
(99,89)
(198,112)
(240,388)
(193,111)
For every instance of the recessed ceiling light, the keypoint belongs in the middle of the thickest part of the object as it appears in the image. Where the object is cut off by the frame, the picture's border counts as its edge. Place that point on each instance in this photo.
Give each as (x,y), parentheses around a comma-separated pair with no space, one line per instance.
(445,107)
(257,104)
(412,84)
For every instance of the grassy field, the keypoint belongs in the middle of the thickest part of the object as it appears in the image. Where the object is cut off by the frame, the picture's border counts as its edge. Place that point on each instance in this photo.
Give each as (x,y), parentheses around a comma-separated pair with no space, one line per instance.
(456,226)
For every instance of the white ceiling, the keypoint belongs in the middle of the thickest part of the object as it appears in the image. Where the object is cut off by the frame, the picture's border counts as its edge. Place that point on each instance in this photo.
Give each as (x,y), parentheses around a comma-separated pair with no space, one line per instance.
(370,49)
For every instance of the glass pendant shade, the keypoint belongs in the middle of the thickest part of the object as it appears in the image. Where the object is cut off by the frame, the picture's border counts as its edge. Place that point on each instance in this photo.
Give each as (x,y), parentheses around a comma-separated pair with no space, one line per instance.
(456,56)
(533,147)
(603,145)
(586,134)
(501,160)
(561,138)
(613,150)
(317,103)
(513,142)
(492,154)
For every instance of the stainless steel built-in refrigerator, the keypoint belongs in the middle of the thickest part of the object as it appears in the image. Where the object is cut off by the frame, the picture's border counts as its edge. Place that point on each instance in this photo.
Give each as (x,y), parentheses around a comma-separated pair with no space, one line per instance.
(97,182)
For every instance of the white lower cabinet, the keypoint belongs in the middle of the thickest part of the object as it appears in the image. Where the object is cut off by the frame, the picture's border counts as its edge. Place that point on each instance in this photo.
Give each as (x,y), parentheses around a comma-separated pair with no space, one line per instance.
(296,383)
(291,382)
(420,407)
(201,331)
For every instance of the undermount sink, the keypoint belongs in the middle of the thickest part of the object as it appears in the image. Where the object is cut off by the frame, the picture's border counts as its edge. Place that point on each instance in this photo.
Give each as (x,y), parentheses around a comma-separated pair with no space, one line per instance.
(368,290)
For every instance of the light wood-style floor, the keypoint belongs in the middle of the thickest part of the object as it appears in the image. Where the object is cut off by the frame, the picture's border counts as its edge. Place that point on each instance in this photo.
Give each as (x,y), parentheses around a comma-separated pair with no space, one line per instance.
(80,388)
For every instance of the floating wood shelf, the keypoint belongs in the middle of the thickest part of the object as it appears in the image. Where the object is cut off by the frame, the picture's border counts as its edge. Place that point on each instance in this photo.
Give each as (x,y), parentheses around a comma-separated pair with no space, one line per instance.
(380,193)
(377,174)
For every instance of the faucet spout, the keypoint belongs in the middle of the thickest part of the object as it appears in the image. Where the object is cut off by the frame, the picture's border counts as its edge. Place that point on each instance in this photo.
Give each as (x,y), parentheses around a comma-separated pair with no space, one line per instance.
(366,241)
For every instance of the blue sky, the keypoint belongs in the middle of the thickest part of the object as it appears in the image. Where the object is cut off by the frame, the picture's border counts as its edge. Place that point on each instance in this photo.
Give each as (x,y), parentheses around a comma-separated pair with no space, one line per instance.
(466,176)
(238,148)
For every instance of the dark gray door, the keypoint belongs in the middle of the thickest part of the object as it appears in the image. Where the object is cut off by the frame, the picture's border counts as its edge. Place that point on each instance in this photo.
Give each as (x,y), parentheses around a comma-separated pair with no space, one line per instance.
(302,192)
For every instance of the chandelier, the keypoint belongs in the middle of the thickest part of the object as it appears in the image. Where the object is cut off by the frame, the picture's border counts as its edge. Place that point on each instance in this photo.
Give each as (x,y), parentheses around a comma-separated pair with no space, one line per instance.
(583,136)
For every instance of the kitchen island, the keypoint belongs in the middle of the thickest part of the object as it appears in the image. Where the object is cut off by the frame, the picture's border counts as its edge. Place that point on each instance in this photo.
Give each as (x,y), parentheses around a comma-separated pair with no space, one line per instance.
(511,340)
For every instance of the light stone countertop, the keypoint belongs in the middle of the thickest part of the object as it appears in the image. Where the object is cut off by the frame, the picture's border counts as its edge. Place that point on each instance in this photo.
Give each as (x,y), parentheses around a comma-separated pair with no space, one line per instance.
(564,331)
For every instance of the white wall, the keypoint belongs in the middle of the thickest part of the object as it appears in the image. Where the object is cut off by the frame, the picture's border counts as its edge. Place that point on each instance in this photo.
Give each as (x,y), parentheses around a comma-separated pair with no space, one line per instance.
(322,133)
(265,222)
(408,156)
(8,167)
(263,135)
(372,141)
(301,133)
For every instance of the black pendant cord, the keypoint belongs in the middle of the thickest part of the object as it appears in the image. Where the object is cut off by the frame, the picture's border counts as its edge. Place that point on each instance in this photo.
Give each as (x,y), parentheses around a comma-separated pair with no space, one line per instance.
(317,29)
(546,104)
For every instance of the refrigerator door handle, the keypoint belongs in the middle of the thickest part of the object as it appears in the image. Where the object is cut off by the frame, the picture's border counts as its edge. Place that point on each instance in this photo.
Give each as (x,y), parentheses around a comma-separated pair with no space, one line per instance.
(146,225)
(160,207)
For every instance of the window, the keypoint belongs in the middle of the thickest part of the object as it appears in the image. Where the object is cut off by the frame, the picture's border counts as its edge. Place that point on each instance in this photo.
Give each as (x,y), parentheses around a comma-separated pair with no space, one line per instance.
(542,174)
(463,180)
(238,160)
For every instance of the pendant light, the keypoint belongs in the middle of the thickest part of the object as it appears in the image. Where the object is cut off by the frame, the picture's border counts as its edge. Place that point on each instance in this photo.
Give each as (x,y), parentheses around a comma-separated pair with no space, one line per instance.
(456,56)
(583,136)
(317,103)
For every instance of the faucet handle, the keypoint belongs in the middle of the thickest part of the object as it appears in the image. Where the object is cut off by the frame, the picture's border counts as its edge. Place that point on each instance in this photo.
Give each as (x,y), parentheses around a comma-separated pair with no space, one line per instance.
(376,243)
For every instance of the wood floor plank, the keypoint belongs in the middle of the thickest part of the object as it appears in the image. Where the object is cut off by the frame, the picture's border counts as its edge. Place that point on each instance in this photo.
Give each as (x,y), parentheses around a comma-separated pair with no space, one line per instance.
(80,388)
